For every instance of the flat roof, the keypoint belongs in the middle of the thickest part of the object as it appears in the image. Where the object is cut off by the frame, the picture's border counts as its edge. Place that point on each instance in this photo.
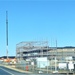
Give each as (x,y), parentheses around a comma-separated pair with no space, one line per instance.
(8,57)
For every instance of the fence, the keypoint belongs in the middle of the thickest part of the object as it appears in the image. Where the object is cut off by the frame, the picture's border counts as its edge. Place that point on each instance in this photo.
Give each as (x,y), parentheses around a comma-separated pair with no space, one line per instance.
(45,67)
(51,66)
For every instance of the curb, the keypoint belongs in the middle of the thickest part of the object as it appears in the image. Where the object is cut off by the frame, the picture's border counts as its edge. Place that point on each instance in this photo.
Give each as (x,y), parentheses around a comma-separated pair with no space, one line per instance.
(18,70)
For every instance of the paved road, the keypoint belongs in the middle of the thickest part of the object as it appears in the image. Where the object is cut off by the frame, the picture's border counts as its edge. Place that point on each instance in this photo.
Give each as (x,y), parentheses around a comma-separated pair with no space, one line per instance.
(6,71)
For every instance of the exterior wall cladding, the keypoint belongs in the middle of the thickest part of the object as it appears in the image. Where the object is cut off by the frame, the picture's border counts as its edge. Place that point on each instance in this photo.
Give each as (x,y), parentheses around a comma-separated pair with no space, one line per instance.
(30,52)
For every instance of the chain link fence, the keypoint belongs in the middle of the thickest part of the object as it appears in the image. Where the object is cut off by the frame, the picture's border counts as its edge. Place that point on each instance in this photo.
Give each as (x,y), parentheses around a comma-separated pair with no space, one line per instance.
(51,66)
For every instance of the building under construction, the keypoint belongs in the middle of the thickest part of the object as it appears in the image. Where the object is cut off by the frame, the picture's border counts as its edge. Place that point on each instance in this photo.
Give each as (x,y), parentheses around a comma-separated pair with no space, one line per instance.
(31,50)
(40,55)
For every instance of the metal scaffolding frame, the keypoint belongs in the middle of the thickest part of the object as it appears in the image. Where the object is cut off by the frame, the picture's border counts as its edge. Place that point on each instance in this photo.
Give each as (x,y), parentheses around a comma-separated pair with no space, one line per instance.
(26,50)
(23,49)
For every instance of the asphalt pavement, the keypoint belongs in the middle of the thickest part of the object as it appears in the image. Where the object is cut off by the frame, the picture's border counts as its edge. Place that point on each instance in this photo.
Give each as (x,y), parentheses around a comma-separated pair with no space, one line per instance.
(6,71)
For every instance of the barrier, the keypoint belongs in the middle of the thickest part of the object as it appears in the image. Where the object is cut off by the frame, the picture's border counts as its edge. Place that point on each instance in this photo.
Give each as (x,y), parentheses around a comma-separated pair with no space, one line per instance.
(26,68)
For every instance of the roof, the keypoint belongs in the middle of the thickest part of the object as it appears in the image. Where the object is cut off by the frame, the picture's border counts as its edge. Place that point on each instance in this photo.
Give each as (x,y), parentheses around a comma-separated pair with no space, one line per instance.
(66,47)
(8,57)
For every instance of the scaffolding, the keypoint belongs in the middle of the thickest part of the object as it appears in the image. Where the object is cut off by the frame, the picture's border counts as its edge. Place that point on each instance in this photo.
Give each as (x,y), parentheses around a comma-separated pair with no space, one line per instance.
(25,50)
(28,52)
(33,49)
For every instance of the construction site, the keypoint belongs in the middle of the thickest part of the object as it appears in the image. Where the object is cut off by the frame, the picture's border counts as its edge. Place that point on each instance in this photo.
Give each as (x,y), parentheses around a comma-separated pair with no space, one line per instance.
(37,56)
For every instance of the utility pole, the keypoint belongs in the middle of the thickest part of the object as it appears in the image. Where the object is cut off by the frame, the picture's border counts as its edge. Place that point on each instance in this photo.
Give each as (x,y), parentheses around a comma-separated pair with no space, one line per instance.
(47,57)
(7,34)
(56,57)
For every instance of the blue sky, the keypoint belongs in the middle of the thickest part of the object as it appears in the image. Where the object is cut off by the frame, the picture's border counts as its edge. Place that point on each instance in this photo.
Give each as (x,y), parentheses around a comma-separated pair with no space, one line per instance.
(37,21)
